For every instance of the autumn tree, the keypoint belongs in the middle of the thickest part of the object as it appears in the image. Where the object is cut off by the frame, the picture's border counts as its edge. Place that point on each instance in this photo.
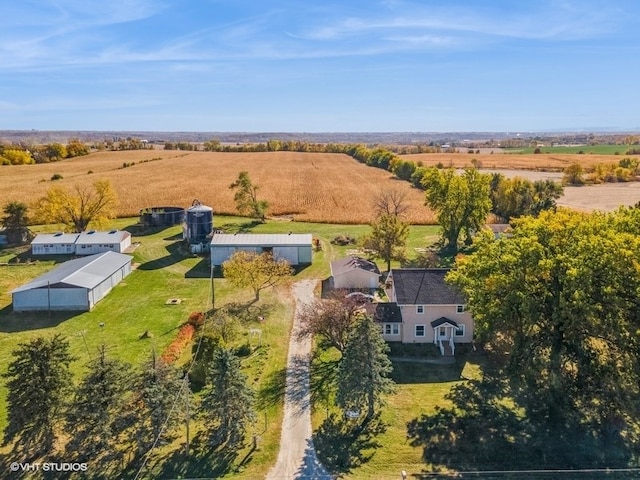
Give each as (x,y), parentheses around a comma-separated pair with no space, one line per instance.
(332,319)
(363,376)
(246,197)
(573,174)
(16,156)
(461,202)
(518,196)
(38,382)
(227,406)
(79,207)
(388,238)
(76,148)
(560,298)
(255,271)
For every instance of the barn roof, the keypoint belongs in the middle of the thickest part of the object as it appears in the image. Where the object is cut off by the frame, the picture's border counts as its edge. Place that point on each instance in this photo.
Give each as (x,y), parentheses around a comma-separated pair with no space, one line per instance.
(54,238)
(261,239)
(86,272)
(91,237)
(347,264)
(424,286)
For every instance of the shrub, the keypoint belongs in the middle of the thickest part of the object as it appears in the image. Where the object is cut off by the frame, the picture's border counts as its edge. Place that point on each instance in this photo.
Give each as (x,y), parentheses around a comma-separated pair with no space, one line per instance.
(196,319)
(343,240)
(175,348)
(56,176)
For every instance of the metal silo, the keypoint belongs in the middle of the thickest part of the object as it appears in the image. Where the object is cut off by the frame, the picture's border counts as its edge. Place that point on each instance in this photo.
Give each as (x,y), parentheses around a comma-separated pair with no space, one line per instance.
(198,223)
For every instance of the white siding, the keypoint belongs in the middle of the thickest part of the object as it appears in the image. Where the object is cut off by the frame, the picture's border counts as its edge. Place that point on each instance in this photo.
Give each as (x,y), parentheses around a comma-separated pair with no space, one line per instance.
(290,254)
(43,299)
(356,279)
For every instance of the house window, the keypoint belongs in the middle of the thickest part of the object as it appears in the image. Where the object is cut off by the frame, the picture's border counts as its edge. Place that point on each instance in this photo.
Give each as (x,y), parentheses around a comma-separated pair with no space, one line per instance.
(460,331)
(419,330)
(460,308)
(419,308)
(391,329)
(442,331)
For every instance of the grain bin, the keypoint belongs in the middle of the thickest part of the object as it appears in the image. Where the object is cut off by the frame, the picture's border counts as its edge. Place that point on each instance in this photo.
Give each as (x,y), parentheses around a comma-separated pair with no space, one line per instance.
(162,216)
(198,223)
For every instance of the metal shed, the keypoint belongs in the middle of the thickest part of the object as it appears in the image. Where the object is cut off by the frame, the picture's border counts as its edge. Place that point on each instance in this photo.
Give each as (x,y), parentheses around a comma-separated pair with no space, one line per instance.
(76,285)
(293,247)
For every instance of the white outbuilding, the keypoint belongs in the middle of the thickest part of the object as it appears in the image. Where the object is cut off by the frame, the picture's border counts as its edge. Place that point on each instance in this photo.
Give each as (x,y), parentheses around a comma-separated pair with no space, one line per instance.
(93,241)
(54,244)
(292,247)
(355,273)
(76,285)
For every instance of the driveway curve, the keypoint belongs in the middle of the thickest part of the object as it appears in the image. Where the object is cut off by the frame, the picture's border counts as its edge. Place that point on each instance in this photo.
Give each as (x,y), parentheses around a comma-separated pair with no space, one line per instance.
(297,457)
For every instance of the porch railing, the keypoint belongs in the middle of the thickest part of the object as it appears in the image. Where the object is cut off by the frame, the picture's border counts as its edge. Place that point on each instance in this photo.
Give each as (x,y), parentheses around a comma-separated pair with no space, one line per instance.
(453,346)
(441,347)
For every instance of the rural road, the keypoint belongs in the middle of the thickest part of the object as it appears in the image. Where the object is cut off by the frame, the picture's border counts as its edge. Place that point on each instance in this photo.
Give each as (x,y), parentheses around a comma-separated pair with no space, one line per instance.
(297,458)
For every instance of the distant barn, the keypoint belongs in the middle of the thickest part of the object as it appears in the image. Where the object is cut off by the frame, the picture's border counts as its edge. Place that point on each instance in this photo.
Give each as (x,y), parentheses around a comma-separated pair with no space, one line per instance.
(295,248)
(85,243)
(76,285)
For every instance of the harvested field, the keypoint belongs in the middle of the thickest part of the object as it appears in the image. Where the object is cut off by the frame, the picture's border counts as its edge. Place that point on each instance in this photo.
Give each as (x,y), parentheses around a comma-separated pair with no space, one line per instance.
(519,161)
(331,188)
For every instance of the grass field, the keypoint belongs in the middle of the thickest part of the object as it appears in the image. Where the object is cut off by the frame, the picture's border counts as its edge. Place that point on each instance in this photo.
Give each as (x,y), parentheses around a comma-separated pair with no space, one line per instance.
(578,149)
(165,270)
(314,187)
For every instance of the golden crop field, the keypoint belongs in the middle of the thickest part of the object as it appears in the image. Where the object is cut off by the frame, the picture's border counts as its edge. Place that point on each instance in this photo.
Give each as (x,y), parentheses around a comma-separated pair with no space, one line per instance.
(512,161)
(315,187)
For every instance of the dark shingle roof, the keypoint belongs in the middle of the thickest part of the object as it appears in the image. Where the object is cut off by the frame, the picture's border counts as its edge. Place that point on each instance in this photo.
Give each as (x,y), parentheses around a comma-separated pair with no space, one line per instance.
(349,263)
(443,320)
(387,313)
(424,286)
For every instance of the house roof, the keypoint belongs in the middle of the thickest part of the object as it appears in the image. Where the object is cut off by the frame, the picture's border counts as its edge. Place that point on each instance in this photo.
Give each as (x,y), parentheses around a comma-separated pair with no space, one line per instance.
(86,272)
(261,239)
(347,264)
(424,286)
(443,321)
(95,237)
(54,238)
(387,312)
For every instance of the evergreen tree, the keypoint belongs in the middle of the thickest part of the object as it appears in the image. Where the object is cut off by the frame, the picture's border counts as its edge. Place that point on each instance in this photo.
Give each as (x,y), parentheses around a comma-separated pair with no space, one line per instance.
(159,400)
(98,413)
(227,407)
(365,368)
(39,380)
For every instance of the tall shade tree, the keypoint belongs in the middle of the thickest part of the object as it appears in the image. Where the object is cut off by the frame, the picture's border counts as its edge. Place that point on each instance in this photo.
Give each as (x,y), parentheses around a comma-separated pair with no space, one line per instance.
(462,202)
(159,393)
(255,271)
(38,382)
(515,197)
(97,415)
(246,197)
(364,372)
(332,319)
(560,296)
(388,238)
(79,207)
(227,406)
(15,222)
(391,201)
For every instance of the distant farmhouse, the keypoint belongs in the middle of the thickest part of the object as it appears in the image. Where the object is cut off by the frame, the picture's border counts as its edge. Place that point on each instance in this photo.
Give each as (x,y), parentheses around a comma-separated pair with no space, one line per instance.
(292,247)
(430,310)
(355,273)
(85,243)
(76,285)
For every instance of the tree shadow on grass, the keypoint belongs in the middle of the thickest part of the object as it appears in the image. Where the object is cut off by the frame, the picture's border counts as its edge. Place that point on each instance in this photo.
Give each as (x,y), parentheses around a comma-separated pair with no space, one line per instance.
(203,461)
(272,390)
(11,321)
(323,379)
(176,253)
(486,428)
(245,227)
(342,445)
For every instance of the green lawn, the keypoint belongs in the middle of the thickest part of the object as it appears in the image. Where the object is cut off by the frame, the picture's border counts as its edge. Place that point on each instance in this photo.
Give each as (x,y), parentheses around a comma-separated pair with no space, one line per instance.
(586,149)
(165,269)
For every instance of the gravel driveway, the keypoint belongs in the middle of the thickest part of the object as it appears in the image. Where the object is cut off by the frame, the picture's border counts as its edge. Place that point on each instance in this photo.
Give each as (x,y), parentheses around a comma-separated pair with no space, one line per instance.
(297,458)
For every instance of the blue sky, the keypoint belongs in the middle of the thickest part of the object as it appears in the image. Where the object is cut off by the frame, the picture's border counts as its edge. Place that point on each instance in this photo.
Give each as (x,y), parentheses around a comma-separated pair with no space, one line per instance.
(327,66)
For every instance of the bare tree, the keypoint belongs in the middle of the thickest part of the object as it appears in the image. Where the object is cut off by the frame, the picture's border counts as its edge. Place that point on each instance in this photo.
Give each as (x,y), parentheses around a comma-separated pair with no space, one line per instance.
(331,318)
(391,202)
